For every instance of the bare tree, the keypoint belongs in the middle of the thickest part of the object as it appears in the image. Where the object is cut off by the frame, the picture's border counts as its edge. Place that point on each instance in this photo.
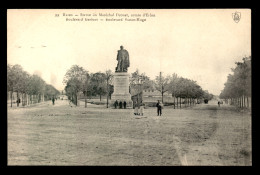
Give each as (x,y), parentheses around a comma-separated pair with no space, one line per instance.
(162,84)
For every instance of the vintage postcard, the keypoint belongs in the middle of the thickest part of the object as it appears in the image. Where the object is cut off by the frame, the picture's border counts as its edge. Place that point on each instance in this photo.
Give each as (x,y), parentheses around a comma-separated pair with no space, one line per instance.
(129,87)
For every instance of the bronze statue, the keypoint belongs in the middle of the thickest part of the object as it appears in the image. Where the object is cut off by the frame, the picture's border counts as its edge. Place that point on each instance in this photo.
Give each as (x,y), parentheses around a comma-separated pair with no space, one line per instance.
(123,60)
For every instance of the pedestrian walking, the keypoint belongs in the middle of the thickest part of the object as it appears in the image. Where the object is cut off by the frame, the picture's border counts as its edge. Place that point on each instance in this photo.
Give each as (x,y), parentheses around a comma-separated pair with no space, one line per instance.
(53,100)
(159,108)
(142,108)
(136,109)
(124,104)
(218,103)
(18,101)
(120,105)
(116,104)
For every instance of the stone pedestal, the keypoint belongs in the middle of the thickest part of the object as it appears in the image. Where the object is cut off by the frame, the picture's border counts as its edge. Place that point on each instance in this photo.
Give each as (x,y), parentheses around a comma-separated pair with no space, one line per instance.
(121,89)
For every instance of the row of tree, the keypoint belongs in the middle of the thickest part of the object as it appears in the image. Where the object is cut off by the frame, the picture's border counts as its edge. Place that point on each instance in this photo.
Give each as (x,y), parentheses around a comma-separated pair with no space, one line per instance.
(237,88)
(182,89)
(78,81)
(27,86)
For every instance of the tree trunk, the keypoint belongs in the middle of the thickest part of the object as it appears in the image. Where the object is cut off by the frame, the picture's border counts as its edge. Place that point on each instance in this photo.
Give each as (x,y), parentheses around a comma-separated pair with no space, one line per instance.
(174,102)
(11,98)
(17,95)
(76,96)
(26,99)
(244,101)
(22,100)
(85,101)
(162,96)
(107,100)
(100,97)
(180,102)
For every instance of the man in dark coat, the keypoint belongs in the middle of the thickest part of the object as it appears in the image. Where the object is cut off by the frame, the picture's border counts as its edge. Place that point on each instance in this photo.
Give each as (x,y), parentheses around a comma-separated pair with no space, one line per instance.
(116,104)
(159,108)
(120,105)
(18,101)
(53,100)
(124,105)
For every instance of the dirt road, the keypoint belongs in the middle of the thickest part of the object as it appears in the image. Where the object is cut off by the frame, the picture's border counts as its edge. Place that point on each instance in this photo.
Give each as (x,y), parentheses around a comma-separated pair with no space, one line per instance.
(59,134)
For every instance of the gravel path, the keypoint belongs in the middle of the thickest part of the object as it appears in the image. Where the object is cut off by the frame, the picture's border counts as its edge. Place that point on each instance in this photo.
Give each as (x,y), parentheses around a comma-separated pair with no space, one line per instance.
(46,134)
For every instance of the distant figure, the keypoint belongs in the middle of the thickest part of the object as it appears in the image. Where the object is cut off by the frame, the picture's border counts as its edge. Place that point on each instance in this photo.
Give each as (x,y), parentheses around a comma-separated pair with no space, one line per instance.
(218,103)
(159,108)
(120,105)
(124,105)
(136,109)
(53,100)
(142,108)
(18,101)
(116,104)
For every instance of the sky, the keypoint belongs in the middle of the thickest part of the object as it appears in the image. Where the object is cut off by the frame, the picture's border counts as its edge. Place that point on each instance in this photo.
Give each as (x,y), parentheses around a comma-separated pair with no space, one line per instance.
(202,44)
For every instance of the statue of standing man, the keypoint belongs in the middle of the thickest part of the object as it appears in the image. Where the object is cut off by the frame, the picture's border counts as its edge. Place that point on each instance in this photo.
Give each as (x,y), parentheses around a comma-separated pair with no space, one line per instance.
(123,60)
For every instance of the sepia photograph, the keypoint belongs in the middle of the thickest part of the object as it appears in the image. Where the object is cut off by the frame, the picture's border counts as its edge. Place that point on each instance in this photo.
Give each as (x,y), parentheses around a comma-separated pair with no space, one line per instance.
(129,87)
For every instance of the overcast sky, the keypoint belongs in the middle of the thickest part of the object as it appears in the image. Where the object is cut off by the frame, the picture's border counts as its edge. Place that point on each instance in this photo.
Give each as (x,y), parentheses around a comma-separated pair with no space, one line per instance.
(202,45)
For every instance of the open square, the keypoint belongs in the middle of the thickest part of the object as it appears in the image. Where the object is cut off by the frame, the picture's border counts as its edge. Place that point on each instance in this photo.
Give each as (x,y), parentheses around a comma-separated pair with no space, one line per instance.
(58,134)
